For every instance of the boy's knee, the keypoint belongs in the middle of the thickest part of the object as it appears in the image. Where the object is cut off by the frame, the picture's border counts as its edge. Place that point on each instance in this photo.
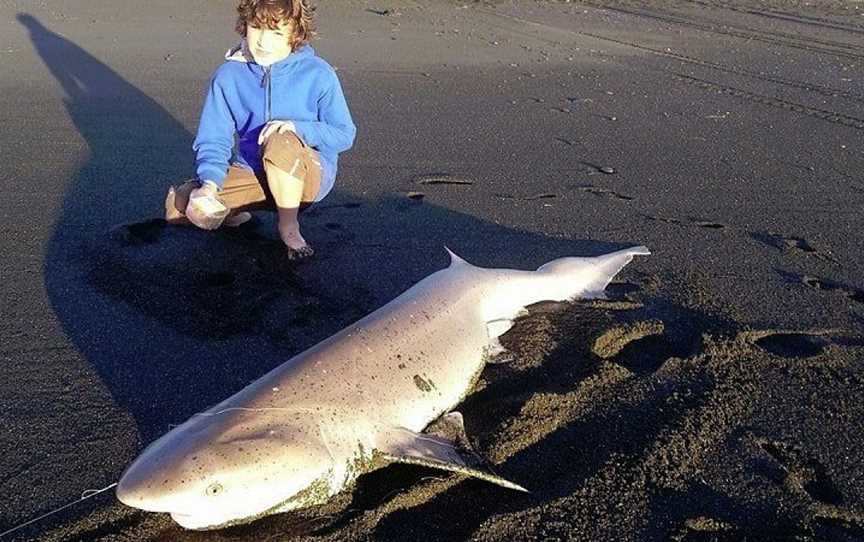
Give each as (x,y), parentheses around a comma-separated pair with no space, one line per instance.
(283,150)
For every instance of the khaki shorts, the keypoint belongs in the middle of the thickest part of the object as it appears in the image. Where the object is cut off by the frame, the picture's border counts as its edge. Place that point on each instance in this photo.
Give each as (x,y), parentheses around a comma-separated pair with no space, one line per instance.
(242,190)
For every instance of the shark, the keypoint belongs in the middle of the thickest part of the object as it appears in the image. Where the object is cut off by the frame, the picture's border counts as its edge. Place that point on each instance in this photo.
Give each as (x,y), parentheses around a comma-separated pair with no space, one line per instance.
(380,391)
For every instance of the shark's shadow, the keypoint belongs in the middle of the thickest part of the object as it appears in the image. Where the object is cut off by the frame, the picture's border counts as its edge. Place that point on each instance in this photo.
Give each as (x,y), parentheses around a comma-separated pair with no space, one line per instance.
(175,319)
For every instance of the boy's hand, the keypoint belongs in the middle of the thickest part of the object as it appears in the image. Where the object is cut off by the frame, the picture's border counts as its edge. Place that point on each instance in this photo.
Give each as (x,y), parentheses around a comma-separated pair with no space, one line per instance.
(204,208)
(273,127)
(207,188)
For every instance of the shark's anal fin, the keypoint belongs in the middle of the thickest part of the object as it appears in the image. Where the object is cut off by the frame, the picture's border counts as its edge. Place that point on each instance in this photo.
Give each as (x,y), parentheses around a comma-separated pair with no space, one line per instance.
(432,449)
(495,351)
(497,354)
(496,328)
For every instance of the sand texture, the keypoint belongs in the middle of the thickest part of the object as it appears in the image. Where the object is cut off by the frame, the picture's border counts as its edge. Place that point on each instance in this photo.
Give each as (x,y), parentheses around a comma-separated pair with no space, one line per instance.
(717,395)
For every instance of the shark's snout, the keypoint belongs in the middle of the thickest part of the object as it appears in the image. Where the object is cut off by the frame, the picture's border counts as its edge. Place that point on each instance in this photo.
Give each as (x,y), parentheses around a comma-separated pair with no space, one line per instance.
(155,480)
(130,495)
(136,489)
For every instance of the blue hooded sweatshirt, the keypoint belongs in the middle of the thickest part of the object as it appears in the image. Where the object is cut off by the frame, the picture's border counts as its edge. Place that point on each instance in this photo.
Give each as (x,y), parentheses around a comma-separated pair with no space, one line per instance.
(244,96)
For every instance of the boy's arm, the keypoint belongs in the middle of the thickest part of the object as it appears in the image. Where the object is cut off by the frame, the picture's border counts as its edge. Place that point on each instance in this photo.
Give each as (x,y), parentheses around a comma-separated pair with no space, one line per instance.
(334,128)
(215,140)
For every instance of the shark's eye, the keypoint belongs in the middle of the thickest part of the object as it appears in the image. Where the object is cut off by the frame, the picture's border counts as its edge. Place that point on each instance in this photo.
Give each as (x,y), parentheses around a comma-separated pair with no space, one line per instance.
(214,489)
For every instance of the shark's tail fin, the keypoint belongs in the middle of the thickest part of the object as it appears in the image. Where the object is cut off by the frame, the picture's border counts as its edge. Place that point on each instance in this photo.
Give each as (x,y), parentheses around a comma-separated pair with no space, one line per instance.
(559,280)
(587,277)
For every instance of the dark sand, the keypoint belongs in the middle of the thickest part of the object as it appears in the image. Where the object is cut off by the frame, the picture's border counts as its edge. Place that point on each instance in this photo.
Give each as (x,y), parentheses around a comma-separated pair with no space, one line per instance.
(718,396)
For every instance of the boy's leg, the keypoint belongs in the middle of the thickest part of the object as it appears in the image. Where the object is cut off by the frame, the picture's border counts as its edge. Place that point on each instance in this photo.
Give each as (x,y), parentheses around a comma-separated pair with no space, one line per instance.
(177,200)
(242,191)
(294,178)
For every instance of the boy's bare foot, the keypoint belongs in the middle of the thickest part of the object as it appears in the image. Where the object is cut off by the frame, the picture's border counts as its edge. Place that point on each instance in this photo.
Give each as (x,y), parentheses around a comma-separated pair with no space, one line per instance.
(237,219)
(300,254)
(298,248)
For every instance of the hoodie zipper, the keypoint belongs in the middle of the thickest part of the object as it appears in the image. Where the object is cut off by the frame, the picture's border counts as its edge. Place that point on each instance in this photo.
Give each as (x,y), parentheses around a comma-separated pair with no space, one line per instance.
(265,84)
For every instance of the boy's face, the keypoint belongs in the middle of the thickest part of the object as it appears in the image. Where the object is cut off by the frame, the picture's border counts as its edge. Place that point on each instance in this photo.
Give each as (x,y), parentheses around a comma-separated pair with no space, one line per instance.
(269,46)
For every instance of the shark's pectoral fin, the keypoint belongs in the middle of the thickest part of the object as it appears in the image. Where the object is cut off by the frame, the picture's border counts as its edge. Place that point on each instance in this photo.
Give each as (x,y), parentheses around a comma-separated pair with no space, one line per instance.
(452,453)
(436,463)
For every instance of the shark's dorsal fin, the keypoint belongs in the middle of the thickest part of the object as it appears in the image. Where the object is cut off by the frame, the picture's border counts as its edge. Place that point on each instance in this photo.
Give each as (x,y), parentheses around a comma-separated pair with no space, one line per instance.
(401,445)
(454,258)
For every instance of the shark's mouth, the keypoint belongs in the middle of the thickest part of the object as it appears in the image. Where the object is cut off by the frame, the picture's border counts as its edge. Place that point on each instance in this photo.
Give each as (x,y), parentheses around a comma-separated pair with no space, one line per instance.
(209,522)
(201,522)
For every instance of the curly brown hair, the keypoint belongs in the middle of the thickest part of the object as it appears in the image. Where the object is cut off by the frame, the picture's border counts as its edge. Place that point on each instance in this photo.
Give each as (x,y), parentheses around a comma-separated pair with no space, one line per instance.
(269,13)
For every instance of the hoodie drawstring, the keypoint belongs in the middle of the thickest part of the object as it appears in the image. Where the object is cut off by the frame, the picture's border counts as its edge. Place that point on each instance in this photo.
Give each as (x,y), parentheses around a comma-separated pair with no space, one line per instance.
(265,84)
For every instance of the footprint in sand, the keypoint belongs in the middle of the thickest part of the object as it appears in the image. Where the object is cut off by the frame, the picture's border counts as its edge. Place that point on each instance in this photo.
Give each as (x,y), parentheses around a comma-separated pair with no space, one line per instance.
(339,232)
(840,526)
(621,290)
(384,12)
(825,285)
(532,197)
(793,345)
(803,471)
(709,225)
(604,192)
(613,341)
(704,529)
(797,245)
(688,222)
(443,178)
(594,169)
(643,346)
(799,344)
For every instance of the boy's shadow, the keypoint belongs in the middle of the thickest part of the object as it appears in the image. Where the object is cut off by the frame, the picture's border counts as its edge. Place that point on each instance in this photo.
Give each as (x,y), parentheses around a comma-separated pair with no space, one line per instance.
(176,319)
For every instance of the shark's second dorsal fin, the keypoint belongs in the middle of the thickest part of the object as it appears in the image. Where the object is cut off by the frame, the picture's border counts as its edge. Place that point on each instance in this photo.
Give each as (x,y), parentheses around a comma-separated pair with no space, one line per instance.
(454,258)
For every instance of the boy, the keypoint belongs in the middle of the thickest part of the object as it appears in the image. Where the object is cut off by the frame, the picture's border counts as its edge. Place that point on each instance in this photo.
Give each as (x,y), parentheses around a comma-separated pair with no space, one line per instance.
(287,110)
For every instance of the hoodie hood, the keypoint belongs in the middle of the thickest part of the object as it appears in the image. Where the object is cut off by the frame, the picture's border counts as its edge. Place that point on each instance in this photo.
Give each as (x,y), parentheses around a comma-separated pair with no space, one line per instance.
(240,52)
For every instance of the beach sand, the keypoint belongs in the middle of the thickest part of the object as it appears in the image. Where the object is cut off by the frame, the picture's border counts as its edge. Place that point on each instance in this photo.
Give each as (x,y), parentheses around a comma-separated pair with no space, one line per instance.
(717,395)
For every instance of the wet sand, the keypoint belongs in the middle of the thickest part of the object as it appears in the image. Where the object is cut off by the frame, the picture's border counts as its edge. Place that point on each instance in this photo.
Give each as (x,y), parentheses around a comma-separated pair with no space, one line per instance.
(718,394)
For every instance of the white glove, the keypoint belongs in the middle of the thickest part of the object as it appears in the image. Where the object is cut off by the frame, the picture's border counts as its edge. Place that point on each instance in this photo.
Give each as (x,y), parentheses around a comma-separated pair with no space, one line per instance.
(204,208)
(273,127)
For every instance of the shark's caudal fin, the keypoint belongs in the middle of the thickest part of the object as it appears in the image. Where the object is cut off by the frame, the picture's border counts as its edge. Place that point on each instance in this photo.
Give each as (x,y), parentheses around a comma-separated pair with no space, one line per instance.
(559,280)
(587,277)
